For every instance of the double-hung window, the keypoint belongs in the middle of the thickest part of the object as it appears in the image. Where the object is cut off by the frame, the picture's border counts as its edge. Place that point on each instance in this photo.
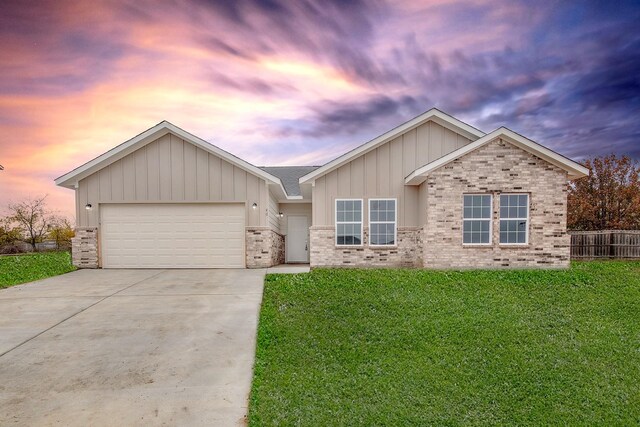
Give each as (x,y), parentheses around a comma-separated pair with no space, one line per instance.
(476,219)
(382,222)
(514,219)
(348,222)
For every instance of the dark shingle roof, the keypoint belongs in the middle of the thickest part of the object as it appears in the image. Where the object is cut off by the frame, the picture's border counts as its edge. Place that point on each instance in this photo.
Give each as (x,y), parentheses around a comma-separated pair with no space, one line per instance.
(289,175)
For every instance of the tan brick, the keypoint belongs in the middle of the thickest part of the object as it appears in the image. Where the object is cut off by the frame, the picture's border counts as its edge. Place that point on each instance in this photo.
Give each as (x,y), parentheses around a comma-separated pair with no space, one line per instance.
(84,247)
(264,247)
(496,168)
(324,251)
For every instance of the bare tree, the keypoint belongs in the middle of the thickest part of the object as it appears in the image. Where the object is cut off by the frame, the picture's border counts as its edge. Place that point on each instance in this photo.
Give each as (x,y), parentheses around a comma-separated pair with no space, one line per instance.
(33,217)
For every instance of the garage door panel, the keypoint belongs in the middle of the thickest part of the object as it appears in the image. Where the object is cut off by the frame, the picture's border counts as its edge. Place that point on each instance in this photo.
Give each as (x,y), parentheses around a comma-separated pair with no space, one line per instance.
(172,235)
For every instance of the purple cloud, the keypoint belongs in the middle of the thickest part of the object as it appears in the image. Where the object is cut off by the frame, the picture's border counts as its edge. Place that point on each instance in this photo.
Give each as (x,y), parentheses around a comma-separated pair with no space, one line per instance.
(278,81)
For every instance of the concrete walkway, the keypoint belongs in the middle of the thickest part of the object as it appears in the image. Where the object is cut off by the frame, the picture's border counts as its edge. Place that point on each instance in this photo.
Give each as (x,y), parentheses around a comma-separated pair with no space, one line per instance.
(129,347)
(289,269)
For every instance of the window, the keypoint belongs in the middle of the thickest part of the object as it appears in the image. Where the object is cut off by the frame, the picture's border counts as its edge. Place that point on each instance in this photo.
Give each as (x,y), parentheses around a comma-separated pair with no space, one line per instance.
(382,222)
(348,222)
(514,216)
(476,219)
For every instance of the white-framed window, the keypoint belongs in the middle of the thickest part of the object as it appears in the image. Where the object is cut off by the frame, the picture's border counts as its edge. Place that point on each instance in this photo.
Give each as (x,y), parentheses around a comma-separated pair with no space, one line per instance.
(349,222)
(383,219)
(476,219)
(514,219)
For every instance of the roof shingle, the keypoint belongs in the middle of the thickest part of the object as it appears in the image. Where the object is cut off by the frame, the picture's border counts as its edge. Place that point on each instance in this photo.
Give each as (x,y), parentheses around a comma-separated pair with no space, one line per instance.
(289,175)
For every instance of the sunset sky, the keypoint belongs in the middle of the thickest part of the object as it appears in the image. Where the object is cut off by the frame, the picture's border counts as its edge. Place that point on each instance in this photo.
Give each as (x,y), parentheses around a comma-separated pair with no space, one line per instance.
(281,82)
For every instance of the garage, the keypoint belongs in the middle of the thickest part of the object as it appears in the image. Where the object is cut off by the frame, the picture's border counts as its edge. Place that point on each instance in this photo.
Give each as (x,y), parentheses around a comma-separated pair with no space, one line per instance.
(168,199)
(172,235)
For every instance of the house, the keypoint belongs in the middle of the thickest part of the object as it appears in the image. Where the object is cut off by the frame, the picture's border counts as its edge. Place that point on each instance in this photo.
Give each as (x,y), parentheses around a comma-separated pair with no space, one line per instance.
(434,192)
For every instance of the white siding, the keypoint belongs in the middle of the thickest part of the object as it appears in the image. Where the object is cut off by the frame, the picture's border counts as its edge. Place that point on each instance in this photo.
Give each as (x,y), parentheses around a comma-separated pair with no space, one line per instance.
(273,218)
(170,169)
(381,173)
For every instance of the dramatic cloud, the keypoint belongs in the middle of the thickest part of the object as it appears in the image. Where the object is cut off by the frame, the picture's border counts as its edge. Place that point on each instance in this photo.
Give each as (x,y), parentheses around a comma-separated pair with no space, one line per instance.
(298,82)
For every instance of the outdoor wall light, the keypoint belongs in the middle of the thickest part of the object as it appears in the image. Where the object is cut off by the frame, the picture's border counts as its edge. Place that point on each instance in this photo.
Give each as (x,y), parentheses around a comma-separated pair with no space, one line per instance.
(254,205)
(281,214)
(88,206)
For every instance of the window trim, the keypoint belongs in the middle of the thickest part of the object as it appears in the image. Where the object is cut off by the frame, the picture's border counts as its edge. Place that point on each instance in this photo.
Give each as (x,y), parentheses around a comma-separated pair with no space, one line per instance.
(490,219)
(336,222)
(394,222)
(500,219)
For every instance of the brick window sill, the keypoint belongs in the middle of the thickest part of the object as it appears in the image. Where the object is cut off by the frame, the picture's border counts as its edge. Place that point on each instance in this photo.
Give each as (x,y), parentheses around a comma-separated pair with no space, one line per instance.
(378,248)
(527,246)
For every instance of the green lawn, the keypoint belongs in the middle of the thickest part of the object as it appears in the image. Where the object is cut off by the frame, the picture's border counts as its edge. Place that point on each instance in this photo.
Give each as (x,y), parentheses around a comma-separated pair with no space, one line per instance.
(16,269)
(411,347)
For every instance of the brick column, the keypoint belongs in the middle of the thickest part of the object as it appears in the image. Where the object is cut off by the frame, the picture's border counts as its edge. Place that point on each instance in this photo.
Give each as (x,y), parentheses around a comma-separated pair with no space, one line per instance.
(84,247)
(264,247)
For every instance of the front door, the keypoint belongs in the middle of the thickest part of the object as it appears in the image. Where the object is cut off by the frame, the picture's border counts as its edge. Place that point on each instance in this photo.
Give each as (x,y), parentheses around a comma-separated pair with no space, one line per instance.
(297,239)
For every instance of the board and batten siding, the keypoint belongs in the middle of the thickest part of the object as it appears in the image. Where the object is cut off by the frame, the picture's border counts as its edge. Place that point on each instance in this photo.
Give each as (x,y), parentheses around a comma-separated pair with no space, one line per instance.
(170,169)
(273,217)
(381,172)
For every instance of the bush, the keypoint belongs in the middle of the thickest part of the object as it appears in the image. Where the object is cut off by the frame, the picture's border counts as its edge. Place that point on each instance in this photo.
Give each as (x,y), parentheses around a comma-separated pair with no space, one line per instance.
(10,249)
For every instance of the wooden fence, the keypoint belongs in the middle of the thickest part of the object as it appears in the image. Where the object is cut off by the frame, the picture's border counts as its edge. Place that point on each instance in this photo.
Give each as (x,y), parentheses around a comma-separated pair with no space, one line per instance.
(611,244)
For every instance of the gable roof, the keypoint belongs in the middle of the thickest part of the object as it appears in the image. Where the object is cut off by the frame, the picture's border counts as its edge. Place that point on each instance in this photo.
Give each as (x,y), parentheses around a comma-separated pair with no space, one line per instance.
(574,169)
(289,175)
(70,179)
(433,114)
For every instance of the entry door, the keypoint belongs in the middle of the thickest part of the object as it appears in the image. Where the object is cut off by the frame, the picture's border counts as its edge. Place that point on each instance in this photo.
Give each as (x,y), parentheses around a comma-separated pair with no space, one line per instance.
(297,239)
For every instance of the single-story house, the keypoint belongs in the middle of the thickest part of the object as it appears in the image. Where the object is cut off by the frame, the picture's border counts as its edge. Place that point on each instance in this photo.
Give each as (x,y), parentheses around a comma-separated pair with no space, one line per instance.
(433,192)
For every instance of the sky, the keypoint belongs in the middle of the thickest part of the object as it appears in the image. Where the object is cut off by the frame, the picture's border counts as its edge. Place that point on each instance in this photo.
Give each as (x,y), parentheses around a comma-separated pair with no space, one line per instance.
(280,82)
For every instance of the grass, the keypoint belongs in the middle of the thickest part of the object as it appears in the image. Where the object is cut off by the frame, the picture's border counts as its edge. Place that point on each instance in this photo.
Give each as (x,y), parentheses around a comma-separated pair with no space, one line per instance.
(16,269)
(412,347)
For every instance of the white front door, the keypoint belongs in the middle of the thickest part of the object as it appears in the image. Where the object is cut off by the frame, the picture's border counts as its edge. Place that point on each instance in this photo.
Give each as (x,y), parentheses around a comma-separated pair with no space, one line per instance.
(297,239)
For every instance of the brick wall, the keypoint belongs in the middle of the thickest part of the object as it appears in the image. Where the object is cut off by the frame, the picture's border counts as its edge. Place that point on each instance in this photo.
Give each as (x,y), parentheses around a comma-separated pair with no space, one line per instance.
(324,252)
(264,247)
(496,168)
(84,247)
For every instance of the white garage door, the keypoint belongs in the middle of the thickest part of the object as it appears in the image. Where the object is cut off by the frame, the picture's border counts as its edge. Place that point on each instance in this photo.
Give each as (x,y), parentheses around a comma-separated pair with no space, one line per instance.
(172,235)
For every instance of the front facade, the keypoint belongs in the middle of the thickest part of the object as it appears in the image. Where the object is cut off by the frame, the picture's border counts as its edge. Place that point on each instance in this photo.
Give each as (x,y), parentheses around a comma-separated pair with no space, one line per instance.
(432,193)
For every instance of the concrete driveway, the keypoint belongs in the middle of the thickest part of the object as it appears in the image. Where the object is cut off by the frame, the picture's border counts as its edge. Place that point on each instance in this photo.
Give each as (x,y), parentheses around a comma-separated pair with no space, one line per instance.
(129,347)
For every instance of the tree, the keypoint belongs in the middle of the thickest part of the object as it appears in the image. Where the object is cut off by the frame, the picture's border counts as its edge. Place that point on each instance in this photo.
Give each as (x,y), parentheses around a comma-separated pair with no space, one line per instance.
(33,217)
(609,198)
(62,232)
